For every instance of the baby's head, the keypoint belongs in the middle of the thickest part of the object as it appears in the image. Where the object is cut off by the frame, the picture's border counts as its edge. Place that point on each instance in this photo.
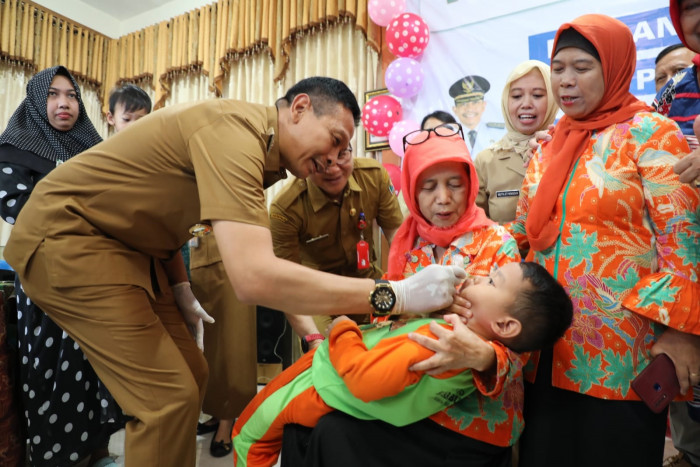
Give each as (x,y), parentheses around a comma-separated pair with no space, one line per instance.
(520,305)
(127,104)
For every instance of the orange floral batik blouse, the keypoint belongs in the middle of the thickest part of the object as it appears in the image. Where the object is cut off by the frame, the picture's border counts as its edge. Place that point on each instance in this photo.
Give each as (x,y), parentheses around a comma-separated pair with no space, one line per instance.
(628,253)
(495,415)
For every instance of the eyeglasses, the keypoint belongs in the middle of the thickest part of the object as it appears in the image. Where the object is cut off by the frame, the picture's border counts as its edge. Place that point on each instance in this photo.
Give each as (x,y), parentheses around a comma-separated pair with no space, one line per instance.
(344,159)
(345,156)
(417,137)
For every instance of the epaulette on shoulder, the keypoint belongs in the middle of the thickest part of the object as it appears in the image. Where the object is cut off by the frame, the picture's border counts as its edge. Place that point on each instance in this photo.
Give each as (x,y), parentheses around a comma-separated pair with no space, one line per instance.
(366,163)
(290,193)
(498,125)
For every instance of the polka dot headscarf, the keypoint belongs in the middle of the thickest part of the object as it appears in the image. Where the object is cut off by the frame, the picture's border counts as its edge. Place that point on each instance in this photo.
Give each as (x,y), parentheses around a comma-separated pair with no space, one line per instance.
(29,128)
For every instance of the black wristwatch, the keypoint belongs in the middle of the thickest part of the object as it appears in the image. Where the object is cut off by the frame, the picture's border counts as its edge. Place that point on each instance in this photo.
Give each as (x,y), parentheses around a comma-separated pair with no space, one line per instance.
(382,298)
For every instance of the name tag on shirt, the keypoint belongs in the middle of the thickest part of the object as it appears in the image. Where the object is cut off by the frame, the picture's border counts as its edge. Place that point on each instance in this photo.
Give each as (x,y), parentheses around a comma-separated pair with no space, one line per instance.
(507,193)
(315,239)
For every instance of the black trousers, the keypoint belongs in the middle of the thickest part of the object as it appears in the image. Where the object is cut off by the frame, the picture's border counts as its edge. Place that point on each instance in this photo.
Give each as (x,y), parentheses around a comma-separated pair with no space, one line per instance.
(340,440)
(565,428)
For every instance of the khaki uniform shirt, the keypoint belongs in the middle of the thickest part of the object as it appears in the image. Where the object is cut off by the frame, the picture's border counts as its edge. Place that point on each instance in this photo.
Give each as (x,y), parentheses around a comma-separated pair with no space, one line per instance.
(500,175)
(106,213)
(309,228)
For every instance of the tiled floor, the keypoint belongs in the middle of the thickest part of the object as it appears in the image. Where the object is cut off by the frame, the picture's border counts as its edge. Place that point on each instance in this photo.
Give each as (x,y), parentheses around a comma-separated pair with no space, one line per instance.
(204,459)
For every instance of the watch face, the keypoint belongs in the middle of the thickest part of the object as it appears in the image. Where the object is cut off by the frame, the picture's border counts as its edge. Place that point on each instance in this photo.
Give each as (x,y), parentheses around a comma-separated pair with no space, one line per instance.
(383,299)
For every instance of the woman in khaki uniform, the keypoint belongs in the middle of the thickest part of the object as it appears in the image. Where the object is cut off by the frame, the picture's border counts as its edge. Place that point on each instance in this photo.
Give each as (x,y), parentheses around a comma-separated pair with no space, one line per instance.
(229,346)
(89,245)
(528,106)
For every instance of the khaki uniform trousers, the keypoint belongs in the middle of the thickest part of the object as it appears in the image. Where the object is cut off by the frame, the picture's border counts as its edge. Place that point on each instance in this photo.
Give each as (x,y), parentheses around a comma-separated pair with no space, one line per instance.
(229,344)
(144,354)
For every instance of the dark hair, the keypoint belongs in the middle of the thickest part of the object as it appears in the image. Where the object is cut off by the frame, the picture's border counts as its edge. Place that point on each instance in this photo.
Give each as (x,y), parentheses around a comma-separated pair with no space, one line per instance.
(572,38)
(132,96)
(441,115)
(324,91)
(667,51)
(544,309)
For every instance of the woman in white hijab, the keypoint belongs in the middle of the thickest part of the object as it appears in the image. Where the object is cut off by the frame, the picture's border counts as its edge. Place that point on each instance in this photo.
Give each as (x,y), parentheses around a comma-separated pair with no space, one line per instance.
(528,106)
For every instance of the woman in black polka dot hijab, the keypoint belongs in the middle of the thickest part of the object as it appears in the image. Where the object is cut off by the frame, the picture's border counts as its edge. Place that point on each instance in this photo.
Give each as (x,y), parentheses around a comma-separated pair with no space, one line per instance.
(49,127)
(68,413)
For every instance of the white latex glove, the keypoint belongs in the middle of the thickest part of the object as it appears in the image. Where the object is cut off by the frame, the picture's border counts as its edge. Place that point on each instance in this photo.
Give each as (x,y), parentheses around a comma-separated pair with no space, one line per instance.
(432,288)
(192,311)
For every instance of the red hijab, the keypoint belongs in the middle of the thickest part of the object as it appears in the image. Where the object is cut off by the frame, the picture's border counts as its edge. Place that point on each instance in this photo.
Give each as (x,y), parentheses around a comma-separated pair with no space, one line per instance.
(614,43)
(674,7)
(435,150)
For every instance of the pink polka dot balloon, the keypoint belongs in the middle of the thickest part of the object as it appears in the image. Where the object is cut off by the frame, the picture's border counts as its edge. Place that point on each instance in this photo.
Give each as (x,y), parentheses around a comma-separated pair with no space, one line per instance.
(404,77)
(398,131)
(407,35)
(381,11)
(380,113)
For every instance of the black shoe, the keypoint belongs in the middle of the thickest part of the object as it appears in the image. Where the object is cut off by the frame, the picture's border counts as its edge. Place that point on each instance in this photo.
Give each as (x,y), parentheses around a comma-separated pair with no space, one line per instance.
(204,428)
(220,448)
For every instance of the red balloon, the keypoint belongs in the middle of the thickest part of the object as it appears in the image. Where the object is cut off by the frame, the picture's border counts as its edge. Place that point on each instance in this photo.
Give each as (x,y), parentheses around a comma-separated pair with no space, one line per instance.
(380,113)
(407,35)
(395,176)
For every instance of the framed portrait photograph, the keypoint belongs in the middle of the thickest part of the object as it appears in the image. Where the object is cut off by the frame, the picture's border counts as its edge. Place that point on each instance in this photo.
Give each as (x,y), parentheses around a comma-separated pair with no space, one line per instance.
(375,143)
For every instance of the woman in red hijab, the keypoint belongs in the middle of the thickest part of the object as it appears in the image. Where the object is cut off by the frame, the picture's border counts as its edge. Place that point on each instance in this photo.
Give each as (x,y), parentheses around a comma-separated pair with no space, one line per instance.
(444,226)
(440,187)
(604,212)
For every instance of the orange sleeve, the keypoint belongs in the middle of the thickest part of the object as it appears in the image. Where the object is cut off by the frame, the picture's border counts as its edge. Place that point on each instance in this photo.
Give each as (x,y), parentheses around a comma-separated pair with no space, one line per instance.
(491,383)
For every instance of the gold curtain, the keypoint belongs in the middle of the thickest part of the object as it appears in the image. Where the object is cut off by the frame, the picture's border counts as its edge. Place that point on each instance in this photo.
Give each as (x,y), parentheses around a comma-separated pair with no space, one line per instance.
(205,41)
(36,38)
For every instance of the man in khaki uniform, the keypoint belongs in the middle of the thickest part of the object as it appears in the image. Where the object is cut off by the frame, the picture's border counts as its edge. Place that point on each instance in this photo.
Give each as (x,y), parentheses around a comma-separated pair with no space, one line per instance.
(318,222)
(89,245)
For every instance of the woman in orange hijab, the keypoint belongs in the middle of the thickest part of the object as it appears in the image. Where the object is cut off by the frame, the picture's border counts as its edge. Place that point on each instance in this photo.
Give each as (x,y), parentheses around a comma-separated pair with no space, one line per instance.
(604,212)
(444,226)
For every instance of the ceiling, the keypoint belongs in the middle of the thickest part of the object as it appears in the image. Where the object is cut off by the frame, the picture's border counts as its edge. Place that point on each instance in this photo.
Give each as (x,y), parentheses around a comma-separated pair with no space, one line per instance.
(123,10)
(116,18)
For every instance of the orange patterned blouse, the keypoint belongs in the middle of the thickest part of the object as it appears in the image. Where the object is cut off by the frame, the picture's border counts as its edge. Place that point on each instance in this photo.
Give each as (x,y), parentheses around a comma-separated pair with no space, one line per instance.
(628,253)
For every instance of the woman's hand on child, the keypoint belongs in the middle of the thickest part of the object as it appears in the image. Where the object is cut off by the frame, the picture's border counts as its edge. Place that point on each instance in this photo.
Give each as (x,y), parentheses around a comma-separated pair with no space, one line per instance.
(459,347)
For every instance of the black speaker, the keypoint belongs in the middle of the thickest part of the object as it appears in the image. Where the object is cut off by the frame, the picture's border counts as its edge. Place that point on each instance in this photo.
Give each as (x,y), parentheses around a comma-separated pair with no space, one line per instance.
(274,337)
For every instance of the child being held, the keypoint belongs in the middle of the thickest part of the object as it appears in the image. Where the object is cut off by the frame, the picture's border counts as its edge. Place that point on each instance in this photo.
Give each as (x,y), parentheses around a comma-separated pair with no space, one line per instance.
(366,374)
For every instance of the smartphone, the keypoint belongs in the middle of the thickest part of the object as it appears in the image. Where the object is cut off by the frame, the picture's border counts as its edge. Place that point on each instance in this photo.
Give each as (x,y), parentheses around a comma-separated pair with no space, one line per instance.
(657,384)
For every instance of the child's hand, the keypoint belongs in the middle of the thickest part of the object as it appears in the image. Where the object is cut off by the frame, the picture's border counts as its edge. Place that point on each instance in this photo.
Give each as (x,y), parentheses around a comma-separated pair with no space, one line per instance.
(335,322)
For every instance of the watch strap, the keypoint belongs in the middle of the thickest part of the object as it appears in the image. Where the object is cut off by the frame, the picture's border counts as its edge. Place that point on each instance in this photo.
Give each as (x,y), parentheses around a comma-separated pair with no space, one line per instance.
(307,339)
(314,337)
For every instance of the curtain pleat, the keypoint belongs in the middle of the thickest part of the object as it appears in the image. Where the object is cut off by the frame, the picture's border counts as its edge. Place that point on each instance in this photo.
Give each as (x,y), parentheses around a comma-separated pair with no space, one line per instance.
(206,41)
